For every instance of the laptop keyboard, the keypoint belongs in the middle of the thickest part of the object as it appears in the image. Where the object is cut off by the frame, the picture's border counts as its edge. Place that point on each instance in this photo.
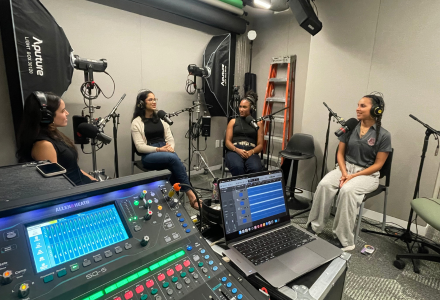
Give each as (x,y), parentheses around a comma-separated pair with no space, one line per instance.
(273,244)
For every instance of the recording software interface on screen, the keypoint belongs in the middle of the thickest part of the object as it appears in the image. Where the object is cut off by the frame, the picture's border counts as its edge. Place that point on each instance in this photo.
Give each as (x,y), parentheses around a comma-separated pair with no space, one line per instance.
(246,202)
(58,241)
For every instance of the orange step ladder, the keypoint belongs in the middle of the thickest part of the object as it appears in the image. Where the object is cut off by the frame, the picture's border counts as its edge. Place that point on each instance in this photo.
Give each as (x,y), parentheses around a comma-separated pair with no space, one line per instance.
(285,99)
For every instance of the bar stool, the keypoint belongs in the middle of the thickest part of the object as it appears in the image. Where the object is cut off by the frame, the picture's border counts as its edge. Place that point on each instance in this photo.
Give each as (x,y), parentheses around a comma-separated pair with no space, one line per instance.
(300,147)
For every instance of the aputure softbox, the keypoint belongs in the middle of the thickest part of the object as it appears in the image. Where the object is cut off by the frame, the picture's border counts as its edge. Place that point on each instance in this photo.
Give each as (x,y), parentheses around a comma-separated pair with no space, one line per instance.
(219,57)
(37,52)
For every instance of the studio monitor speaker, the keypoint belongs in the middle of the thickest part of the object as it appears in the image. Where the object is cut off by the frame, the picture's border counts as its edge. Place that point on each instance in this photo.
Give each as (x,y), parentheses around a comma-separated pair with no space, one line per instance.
(305,15)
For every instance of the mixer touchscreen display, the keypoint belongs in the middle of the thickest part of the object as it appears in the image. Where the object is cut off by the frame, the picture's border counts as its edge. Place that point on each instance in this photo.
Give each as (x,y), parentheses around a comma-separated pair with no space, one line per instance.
(58,241)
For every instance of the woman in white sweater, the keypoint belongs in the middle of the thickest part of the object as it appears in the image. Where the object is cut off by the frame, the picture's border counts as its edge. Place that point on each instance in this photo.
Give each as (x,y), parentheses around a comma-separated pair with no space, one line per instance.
(154,140)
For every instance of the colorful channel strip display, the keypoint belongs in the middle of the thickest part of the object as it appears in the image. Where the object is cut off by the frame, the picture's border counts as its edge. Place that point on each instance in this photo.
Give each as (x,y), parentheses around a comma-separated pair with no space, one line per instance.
(58,241)
(128,279)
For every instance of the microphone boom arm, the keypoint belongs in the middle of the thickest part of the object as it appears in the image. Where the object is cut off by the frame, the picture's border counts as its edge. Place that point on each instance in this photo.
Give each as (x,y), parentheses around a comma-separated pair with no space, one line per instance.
(104,121)
(335,115)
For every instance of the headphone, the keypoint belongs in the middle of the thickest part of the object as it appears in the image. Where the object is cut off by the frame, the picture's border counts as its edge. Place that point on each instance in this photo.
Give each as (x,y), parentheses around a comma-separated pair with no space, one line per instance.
(46,115)
(252,101)
(377,107)
(141,103)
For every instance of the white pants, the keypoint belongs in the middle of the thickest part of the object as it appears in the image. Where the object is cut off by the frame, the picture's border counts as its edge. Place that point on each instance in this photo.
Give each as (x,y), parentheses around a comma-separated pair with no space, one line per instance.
(349,200)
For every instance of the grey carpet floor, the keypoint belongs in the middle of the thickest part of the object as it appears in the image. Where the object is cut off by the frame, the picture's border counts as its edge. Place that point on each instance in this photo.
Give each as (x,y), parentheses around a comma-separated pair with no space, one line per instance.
(373,277)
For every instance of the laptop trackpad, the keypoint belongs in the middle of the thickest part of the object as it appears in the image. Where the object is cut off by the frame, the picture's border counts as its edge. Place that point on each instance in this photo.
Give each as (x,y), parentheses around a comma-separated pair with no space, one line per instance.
(301,260)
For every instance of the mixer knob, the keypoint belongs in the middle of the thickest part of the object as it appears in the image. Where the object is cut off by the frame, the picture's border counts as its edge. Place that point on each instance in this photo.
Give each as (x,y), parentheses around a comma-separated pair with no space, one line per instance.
(145,241)
(6,277)
(173,202)
(142,195)
(148,215)
(148,204)
(23,291)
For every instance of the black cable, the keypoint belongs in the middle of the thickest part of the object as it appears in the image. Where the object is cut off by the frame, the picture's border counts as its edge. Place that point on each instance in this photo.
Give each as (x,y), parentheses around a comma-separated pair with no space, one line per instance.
(317,13)
(188,85)
(84,88)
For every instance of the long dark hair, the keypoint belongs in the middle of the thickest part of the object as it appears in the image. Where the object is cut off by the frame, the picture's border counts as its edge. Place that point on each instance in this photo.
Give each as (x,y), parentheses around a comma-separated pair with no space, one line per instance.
(31,126)
(377,99)
(139,109)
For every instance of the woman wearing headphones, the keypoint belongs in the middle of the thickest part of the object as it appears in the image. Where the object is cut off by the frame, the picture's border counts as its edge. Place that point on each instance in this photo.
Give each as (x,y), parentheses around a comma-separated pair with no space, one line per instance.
(243,141)
(361,154)
(40,139)
(153,139)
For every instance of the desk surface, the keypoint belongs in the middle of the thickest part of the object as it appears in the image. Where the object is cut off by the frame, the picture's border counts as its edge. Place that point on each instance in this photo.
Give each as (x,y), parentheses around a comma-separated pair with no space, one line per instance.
(24,181)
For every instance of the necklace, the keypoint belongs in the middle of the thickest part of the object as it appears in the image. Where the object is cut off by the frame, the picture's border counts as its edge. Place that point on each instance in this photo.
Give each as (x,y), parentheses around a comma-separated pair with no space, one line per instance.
(364,131)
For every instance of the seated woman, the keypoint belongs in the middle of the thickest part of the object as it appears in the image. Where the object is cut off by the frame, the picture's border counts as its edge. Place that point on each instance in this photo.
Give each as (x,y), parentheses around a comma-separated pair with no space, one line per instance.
(243,141)
(40,139)
(154,140)
(361,154)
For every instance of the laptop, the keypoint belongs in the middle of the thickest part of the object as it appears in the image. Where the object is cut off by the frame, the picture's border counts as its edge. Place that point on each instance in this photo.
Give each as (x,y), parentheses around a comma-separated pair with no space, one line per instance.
(259,234)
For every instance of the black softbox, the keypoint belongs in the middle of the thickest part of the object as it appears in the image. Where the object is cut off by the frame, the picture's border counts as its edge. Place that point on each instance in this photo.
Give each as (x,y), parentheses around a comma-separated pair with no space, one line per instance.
(37,52)
(219,57)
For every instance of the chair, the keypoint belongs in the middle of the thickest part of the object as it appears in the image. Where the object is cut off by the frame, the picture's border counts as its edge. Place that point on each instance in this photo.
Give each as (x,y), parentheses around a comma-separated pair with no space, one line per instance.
(384,172)
(137,163)
(224,168)
(428,209)
(300,147)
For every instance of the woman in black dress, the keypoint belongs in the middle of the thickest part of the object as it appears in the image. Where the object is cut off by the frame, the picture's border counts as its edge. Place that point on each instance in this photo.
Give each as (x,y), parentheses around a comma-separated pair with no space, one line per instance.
(40,139)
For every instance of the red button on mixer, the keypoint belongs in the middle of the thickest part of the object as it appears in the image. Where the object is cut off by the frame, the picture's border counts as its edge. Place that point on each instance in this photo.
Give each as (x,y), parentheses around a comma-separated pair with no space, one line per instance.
(140,289)
(170,272)
(128,295)
(150,283)
(186,263)
(161,277)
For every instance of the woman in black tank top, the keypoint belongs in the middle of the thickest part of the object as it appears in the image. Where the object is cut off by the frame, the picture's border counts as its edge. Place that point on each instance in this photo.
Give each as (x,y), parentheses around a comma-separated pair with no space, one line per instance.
(243,141)
(40,139)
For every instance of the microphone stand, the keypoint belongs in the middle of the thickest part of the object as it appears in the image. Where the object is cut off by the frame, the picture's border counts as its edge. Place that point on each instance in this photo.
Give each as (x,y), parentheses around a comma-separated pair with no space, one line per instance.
(101,124)
(324,158)
(115,138)
(407,236)
(190,111)
(340,121)
(269,118)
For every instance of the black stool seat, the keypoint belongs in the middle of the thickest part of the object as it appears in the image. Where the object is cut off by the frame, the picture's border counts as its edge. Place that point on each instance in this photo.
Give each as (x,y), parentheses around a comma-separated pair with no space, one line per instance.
(300,147)
(295,155)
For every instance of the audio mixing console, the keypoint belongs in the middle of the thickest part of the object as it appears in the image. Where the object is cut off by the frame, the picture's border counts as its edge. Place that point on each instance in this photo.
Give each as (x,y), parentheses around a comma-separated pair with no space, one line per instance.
(119,244)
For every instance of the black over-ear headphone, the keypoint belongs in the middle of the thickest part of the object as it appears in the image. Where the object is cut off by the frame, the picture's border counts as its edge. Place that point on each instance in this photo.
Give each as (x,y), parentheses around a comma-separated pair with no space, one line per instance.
(46,115)
(252,101)
(141,103)
(377,107)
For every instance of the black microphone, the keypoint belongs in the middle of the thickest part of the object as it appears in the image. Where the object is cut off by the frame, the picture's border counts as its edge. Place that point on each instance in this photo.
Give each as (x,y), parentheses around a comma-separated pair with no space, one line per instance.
(350,124)
(251,121)
(163,115)
(91,131)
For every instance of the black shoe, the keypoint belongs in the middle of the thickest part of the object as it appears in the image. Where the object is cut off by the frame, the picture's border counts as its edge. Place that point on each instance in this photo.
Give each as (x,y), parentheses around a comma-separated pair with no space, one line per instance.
(310,229)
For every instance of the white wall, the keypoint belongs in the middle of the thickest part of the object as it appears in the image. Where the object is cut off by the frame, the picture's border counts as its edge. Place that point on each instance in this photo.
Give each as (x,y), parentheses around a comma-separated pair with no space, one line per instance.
(389,46)
(142,52)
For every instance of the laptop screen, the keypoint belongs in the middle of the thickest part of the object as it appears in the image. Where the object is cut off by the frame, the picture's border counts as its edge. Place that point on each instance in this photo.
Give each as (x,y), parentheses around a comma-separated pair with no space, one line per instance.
(251,203)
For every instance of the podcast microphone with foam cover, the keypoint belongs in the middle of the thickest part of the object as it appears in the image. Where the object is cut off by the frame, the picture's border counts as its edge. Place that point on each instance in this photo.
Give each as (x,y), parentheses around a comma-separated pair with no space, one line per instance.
(251,121)
(350,124)
(163,115)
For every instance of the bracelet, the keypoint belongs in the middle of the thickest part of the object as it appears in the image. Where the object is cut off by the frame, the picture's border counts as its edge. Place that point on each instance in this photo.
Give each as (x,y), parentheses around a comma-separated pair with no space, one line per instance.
(157,149)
